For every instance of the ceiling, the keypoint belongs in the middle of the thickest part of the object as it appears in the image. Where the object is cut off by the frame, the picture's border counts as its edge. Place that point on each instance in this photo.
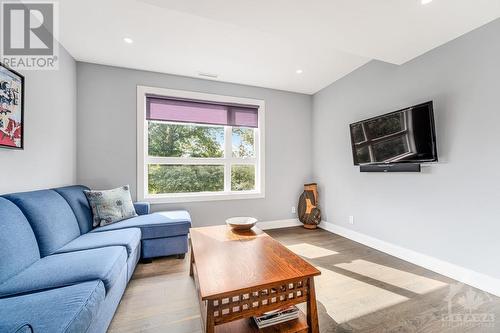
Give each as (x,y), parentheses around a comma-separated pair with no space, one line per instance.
(264,42)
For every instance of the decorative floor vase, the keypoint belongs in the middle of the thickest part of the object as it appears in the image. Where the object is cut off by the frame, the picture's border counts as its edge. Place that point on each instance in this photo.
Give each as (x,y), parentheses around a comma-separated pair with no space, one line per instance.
(308,211)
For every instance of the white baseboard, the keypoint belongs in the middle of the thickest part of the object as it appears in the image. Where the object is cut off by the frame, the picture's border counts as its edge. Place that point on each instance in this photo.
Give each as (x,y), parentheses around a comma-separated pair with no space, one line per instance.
(465,275)
(266,225)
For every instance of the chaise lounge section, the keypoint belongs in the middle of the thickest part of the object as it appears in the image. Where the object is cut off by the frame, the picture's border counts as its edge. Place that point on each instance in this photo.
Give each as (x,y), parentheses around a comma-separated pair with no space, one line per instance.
(57,274)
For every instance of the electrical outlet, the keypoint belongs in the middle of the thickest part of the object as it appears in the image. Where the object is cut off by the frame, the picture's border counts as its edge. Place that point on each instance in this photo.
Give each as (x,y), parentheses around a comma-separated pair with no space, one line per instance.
(294,210)
(351,219)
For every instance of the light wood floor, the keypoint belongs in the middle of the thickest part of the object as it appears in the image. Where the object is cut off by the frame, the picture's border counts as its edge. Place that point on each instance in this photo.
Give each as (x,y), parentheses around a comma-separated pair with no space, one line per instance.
(360,290)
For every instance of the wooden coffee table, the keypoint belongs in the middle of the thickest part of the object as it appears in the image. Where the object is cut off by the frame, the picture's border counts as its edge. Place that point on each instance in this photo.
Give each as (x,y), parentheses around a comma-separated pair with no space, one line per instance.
(241,274)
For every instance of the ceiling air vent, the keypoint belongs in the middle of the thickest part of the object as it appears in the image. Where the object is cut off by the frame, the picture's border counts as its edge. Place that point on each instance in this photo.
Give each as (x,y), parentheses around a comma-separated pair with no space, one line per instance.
(210,75)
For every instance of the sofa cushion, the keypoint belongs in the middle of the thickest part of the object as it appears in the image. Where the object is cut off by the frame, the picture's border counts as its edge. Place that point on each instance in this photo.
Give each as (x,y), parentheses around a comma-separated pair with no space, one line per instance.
(130,238)
(66,309)
(156,225)
(50,217)
(111,206)
(79,204)
(59,270)
(18,246)
(22,328)
(16,325)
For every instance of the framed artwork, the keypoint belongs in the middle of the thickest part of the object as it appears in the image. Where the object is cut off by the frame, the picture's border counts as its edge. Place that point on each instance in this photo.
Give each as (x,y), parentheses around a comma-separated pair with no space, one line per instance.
(11,109)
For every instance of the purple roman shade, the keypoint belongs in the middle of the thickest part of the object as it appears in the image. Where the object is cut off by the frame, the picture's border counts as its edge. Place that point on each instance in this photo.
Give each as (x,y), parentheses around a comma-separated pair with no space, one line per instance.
(200,112)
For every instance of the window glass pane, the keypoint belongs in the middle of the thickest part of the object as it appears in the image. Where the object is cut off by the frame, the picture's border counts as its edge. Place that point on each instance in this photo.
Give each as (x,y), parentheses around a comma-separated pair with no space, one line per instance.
(242,177)
(243,142)
(385,125)
(185,178)
(390,149)
(181,140)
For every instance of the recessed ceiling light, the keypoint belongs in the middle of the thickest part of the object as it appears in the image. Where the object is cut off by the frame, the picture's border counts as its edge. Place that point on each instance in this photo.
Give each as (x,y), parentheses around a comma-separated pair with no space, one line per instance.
(299,71)
(425,2)
(128,40)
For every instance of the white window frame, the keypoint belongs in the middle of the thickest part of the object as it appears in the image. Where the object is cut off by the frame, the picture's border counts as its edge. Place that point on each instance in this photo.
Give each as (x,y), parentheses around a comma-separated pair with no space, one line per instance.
(143,158)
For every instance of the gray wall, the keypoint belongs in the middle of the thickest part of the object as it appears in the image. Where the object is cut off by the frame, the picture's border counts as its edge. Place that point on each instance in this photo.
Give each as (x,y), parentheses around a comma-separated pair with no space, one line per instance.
(451,211)
(107,139)
(49,157)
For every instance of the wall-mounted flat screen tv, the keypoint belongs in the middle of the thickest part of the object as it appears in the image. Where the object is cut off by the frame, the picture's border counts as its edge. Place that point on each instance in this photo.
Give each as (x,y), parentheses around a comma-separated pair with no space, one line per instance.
(404,136)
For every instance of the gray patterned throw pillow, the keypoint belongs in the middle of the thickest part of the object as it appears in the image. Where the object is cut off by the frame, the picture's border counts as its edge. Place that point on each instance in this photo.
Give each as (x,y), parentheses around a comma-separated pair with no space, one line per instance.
(111,206)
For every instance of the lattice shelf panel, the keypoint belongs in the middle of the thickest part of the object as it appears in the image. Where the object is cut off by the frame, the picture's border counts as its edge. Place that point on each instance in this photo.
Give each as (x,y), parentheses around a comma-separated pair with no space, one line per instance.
(248,304)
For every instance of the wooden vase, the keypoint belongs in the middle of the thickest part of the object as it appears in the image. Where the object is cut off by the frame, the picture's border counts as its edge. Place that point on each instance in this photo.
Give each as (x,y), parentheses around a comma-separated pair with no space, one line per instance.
(308,210)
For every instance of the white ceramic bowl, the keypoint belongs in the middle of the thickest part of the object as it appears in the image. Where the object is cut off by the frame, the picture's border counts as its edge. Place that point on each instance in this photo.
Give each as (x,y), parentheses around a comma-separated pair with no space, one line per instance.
(241,222)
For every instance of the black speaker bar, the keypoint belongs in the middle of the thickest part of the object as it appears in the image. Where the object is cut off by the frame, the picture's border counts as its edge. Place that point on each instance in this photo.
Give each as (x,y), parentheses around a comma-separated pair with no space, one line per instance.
(402,167)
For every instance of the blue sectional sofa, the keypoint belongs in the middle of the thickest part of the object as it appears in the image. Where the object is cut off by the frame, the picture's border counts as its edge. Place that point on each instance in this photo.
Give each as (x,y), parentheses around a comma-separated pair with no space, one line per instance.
(57,274)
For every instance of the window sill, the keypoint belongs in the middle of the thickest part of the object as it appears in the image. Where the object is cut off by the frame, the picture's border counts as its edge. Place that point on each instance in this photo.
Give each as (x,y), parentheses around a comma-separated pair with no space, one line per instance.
(199,197)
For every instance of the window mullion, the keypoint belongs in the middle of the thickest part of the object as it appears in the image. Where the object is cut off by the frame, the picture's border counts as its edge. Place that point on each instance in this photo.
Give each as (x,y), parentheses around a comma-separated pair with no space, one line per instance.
(238,160)
(228,153)
(185,160)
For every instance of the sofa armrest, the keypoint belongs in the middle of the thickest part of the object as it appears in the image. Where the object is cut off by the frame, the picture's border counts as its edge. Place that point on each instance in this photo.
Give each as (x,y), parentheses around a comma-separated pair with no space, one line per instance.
(142,208)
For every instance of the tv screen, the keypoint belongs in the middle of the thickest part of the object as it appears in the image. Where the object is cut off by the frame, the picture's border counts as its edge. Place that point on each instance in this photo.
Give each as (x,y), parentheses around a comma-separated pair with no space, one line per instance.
(404,136)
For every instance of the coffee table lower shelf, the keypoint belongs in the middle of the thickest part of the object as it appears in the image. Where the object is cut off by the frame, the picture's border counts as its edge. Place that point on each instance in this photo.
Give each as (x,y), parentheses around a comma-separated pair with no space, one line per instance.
(248,325)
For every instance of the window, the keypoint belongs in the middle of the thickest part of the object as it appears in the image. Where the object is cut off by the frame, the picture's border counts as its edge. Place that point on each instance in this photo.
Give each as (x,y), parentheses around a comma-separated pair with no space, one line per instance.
(194,146)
